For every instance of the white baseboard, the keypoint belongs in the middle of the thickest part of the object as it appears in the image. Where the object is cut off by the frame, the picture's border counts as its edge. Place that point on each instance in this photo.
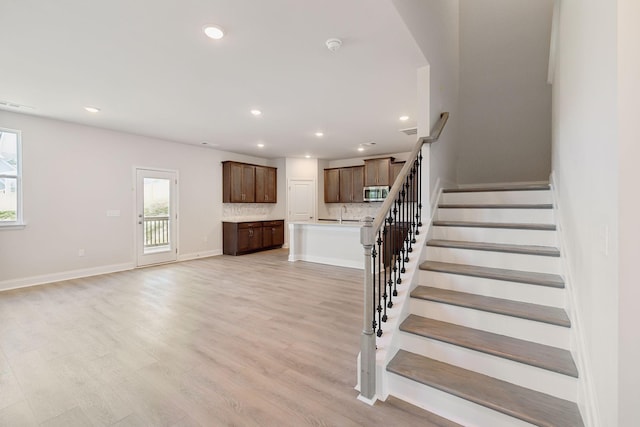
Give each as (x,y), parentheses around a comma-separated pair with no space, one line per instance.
(196,255)
(338,262)
(587,401)
(64,275)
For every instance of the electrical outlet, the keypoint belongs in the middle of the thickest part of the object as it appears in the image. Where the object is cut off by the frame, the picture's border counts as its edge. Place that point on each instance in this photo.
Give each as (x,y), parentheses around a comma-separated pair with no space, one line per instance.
(80,252)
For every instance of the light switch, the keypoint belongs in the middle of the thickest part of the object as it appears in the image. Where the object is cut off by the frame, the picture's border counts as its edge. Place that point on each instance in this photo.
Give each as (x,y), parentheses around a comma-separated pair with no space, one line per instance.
(113,213)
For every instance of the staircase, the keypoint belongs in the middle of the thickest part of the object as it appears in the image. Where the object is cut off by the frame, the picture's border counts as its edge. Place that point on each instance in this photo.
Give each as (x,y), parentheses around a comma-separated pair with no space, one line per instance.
(486,342)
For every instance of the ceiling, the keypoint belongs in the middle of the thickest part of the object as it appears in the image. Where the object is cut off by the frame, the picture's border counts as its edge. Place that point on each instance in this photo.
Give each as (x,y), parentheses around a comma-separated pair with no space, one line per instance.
(151,70)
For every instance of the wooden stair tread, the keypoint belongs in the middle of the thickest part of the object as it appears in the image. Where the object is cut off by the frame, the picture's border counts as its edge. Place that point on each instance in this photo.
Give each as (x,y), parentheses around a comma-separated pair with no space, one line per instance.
(506,225)
(526,187)
(496,247)
(495,206)
(532,278)
(534,354)
(523,310)
(516,401)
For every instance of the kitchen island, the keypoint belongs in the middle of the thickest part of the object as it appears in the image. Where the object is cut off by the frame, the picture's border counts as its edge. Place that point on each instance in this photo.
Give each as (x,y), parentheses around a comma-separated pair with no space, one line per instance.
(327,242)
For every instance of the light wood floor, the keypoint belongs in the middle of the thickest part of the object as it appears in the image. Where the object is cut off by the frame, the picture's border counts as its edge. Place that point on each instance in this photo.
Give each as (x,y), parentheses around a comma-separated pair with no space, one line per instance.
(244,341)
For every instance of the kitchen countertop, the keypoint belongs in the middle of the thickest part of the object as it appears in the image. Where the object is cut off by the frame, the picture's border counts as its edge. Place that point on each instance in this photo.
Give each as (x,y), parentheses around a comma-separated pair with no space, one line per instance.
(250,219)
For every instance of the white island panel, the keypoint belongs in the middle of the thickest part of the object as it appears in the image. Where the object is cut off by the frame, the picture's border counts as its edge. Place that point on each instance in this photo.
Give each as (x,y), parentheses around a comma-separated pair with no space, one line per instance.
(333,244)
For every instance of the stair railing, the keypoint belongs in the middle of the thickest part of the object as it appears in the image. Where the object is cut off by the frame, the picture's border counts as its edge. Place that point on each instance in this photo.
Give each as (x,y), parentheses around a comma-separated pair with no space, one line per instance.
(388,242)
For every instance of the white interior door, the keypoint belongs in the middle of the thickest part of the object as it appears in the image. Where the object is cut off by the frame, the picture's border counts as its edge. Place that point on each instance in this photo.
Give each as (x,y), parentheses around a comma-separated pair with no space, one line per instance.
(156,214)
(302,196)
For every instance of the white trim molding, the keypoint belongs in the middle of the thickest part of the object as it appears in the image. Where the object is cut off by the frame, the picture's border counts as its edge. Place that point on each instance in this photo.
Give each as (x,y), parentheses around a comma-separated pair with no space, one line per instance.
(6,285)
(587,401)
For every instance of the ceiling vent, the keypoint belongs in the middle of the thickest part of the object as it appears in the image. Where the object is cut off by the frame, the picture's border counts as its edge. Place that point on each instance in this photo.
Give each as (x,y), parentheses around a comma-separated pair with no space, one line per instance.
(410,131)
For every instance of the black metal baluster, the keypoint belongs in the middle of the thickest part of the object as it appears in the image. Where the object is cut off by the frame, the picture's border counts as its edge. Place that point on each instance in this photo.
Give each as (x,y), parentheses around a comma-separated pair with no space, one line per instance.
(414,201)
(385,264)
(405,227)
(396,248)
(376,307)
(419,190)
(400,231)
(391,261)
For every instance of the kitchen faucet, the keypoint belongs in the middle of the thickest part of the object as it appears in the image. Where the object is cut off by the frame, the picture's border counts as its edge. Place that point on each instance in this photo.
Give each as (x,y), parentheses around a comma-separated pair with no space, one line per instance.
(342,208)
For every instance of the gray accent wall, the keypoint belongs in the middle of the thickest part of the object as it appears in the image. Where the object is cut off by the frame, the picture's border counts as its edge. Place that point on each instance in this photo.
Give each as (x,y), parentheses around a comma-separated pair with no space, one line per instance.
(505,101)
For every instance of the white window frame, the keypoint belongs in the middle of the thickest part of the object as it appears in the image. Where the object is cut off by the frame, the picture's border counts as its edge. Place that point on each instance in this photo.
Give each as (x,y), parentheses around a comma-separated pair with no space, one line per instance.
(18,223)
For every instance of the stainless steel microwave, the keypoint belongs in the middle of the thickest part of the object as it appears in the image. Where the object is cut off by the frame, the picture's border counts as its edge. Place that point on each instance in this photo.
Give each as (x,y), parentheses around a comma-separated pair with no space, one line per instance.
(376,193)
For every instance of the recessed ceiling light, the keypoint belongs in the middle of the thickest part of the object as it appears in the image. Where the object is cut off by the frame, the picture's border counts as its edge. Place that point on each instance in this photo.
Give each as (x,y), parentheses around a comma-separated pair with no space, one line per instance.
(204,143)
(360,148)
(319,134)
(213,32)
(261,145)
(403,118)
(307,156)
(92,109)
(256,112)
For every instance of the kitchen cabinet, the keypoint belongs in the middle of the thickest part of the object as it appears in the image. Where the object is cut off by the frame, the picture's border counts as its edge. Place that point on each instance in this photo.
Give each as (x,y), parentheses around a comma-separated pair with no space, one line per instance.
(246,183)
(272,233)
(344,185)
(250,236)
(377,171)
(358,184)
(332,185)
(266,184)
(396,167)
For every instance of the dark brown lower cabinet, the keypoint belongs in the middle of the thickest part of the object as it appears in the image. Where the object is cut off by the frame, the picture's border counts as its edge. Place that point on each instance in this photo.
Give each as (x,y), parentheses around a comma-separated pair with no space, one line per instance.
(243,237)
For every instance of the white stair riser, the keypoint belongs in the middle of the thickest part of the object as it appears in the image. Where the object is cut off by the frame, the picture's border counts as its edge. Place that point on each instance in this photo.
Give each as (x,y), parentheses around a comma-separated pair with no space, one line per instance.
(519,216)
(538,379)
(449,406)
(511,261)
(528,330)
(496,235)
(537,197)
(533,294)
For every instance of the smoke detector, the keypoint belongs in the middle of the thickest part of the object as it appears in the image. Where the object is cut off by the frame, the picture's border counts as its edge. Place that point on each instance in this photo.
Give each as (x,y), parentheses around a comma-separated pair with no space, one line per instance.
(333,44)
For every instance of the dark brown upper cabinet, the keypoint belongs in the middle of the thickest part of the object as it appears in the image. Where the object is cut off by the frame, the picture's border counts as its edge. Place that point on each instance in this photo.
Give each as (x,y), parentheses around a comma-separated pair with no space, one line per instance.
(344,185)
(332,185)
(377,172)
(246,183)
(266,188)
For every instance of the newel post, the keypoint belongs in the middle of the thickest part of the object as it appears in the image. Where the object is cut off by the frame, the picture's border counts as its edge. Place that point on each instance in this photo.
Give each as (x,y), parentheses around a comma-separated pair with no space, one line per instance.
(368,338)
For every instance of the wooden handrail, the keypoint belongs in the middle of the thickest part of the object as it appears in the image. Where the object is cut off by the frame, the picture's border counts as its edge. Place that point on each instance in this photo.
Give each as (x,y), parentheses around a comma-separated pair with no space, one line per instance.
(397,185)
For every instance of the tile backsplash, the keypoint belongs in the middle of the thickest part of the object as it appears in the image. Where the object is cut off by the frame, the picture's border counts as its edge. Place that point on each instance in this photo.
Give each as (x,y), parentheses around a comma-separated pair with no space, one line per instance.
(248,211)
(352,210)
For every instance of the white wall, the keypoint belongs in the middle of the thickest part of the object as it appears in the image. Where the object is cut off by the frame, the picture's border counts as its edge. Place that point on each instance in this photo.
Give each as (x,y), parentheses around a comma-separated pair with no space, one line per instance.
(434,25)
(629,205)
(505,102)
(73,174)
(585,166)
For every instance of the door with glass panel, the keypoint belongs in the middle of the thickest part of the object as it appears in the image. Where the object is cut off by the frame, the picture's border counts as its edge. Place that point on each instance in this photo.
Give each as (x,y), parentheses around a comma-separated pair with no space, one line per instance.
(156,216)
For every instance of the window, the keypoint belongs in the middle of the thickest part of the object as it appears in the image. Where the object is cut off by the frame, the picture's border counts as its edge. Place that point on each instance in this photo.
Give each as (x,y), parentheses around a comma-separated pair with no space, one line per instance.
(10,178)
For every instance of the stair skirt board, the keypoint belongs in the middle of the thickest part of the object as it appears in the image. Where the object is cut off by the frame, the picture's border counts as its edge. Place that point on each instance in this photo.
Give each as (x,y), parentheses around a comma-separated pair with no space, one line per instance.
(535,378)
(496,235)
(537,216)
(541,333)
(481,258)
(449,406)
(535,294)
(506,197)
